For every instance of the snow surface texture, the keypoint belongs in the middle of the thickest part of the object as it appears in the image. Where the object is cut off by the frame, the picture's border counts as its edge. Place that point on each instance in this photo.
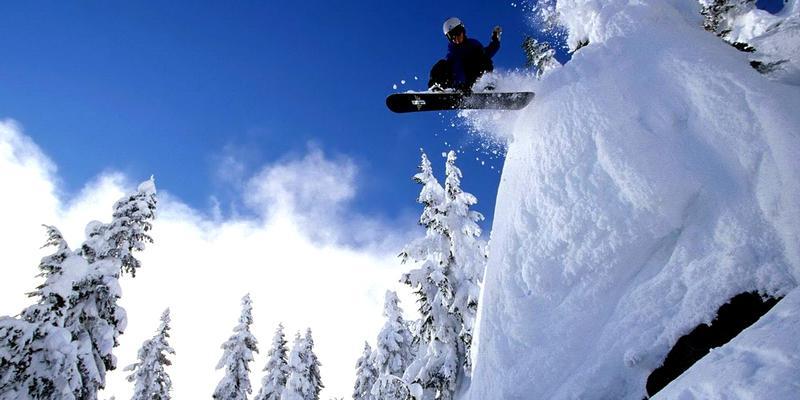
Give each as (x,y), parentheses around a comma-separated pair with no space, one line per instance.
(654,177)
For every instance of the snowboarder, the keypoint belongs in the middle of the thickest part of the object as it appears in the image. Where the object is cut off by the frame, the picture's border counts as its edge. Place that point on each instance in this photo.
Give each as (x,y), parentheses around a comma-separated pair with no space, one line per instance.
(467,59)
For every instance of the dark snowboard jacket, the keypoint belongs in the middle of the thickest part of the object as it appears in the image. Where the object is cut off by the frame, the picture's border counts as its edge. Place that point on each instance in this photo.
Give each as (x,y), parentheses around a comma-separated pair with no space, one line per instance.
(469,60)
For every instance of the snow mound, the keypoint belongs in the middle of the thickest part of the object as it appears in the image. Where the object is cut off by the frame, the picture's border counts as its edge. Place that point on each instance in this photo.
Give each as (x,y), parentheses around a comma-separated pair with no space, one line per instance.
(653,178)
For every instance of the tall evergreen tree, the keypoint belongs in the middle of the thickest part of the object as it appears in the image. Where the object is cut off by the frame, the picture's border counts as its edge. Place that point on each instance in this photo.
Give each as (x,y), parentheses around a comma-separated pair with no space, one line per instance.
(392,354)
(61,347)
(452,259)
(277,369)
(366,375)
(433,373)
(313,365)
(468,254)
(425,250)
(151,379)
(299,386)
(238,353)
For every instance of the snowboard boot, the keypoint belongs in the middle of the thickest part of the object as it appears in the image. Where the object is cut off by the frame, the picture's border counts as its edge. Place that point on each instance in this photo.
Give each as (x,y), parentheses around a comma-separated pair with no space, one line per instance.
(436,88)
(441,76)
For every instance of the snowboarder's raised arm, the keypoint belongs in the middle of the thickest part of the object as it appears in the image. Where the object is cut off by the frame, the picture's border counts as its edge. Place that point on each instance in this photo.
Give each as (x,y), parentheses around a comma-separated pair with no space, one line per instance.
(494,44)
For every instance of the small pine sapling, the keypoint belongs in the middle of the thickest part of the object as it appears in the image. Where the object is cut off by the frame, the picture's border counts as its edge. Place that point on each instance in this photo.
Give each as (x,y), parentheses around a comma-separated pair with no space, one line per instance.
(151,381)
(393,352)
(366,375)
(238,353)
(277,369)
(299,386)
(313,365)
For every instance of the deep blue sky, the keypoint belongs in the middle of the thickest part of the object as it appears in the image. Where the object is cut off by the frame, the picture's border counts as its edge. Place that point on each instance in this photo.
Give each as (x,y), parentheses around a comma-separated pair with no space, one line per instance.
(162,88)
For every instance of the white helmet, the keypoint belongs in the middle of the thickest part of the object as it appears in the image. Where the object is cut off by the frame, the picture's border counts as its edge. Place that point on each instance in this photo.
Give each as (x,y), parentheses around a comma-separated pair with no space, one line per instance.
(451,24)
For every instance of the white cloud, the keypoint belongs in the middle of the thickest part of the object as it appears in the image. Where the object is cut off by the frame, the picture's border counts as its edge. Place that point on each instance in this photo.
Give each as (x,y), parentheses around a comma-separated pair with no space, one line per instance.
(28,200)
(201,266)
(311,186)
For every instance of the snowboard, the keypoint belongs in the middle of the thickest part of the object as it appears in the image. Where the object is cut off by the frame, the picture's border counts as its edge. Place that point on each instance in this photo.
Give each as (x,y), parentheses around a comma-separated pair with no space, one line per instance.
(438,101)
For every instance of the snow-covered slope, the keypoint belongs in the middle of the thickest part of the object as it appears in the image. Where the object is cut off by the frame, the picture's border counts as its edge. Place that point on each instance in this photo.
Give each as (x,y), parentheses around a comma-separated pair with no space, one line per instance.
(775,38)
(763,362)
(655,176)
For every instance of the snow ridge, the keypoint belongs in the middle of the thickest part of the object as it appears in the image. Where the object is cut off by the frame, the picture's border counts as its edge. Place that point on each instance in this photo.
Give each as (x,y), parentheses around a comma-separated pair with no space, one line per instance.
(654,178)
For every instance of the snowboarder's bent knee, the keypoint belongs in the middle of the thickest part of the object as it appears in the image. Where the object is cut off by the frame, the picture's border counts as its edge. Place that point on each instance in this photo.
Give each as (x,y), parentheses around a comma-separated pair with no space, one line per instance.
(467,59)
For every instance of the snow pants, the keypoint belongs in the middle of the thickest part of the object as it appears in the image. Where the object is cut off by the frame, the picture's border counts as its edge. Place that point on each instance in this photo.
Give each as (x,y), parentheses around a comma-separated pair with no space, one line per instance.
(442,74)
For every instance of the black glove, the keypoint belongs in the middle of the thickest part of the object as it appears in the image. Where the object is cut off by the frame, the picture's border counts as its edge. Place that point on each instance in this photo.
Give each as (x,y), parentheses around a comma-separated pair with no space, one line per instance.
(496,32)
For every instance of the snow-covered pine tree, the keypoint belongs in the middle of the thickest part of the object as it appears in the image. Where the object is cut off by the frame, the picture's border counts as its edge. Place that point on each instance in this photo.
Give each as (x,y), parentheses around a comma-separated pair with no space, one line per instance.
(151,381)
(61,347)
(468,253)
(277,369)
(313,365)
(539,56)
(394,340)
(392,354)
(426,249)
(29,368)
(435,366)
(366,375)
(299,385)
(238,353)
(453,258)
(94,317)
